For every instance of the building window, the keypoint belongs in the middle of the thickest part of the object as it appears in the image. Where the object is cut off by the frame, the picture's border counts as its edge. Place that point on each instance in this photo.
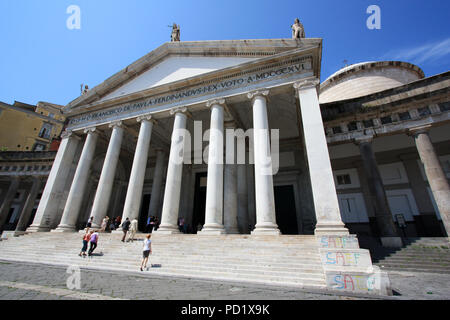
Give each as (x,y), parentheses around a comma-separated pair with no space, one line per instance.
(368,123)
(444,106)
(39,147)
(337,130)
(424,111)
(386,120)
(45,131)
(343,179)
(352,126)
(403,116)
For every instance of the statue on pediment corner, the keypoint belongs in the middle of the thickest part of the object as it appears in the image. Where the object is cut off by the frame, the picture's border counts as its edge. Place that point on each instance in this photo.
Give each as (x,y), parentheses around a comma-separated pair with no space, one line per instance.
(298,31)
(175,36)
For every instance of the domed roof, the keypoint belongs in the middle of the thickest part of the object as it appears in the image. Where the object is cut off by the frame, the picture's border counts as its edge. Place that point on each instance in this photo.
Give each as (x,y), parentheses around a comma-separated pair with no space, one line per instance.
(365,78)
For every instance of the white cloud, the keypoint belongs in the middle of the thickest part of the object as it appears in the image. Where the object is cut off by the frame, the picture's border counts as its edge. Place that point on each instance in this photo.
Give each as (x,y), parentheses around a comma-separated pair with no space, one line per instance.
(424,53)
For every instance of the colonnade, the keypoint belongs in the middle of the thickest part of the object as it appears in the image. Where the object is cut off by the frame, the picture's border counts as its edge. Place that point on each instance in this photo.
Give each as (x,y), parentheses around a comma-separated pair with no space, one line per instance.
(224,193)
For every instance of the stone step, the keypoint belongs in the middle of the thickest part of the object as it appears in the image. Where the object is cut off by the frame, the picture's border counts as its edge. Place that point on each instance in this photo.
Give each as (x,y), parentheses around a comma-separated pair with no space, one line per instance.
(413,269)
(190,271)
(414,258)
(256,263)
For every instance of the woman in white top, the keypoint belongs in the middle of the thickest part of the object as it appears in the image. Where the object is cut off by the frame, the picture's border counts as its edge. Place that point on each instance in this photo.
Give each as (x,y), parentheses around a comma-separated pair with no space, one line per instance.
(104,223)
(147,250)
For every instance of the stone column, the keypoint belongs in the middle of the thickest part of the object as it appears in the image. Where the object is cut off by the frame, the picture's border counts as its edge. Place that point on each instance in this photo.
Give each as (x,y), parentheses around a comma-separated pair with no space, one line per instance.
(106,182)
(75,197)
(242,198)
(54,188)
(385,221)
(230,194)
(435,174)
(264,193)
(9,198)
(28,207)
(326,205)
(157,184)
(172,191)
(137,176)
(214,189)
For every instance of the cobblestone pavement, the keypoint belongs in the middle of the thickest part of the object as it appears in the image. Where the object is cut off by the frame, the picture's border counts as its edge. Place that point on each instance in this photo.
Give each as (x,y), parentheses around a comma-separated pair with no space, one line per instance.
(42,282)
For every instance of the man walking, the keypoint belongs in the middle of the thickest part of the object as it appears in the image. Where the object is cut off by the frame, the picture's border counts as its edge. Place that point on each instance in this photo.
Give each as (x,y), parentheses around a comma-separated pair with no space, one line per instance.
(133,230)
(93,241)
(125,227)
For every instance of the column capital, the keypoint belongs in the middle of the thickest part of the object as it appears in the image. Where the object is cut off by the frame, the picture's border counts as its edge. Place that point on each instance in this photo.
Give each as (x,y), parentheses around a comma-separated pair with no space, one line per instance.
(67,134)
(220,102)
(145,117)
(363,139)
(418,130)
(306,83)
(116,124)
(258,93)
(91,130)
(178,110)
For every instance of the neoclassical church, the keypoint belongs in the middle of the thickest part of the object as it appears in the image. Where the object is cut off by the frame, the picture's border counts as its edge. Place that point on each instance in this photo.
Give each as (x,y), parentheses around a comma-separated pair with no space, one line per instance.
(365,152)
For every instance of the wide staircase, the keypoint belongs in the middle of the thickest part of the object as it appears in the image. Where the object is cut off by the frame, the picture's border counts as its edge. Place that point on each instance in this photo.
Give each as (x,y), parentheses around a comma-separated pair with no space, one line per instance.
(279,260)
(417,255)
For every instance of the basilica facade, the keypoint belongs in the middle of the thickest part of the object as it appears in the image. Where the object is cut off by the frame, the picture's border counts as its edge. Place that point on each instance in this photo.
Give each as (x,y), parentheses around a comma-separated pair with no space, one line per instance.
(364,152)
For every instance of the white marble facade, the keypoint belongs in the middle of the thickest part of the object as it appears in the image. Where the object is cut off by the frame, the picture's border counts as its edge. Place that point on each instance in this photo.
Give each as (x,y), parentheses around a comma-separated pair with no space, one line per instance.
(126,139)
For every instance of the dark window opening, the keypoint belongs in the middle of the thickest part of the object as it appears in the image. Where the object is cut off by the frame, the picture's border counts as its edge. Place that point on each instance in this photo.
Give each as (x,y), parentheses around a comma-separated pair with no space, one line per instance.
(424,111)
(368,123)
(386,120)
(344,179)
(352,126)
(404,116)
(337,130)
(444,106)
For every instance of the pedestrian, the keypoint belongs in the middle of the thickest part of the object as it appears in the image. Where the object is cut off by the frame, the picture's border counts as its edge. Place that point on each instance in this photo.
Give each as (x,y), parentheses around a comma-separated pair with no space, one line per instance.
(112,226)
(125,227)
(181,224)
(146,252)
(155,224)
(133,230)
(89,223)
(149,226)
(93,242)
(117,222)
(86,238)
(104,224)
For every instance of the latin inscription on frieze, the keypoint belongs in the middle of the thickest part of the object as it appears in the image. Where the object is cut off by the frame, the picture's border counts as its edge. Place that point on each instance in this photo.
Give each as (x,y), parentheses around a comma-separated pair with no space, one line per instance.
(233,83)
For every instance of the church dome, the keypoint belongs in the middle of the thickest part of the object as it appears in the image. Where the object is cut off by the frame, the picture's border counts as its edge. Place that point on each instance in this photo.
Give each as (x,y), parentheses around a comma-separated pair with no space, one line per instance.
(361,79)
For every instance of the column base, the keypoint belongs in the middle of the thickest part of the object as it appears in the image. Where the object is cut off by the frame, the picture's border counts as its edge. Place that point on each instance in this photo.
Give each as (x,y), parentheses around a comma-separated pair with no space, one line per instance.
(32,229)
(329,229)
(213,229)
(167,229)
(64,228)
(391,242)
(267,228)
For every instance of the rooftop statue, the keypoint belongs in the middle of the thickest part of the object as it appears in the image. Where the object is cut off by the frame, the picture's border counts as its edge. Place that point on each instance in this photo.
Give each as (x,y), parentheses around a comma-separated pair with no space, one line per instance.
(298,31)
(175,33)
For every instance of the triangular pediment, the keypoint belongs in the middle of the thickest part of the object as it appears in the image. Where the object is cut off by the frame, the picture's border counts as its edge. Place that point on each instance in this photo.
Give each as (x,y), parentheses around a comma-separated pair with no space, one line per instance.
(173,69)
(177,61)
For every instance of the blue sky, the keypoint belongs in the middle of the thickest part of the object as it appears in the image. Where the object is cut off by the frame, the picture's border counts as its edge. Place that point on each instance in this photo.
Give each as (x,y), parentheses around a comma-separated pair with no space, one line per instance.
(42,60)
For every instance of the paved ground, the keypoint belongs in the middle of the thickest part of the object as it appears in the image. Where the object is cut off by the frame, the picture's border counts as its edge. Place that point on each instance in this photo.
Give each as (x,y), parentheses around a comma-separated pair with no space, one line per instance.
(42,282)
